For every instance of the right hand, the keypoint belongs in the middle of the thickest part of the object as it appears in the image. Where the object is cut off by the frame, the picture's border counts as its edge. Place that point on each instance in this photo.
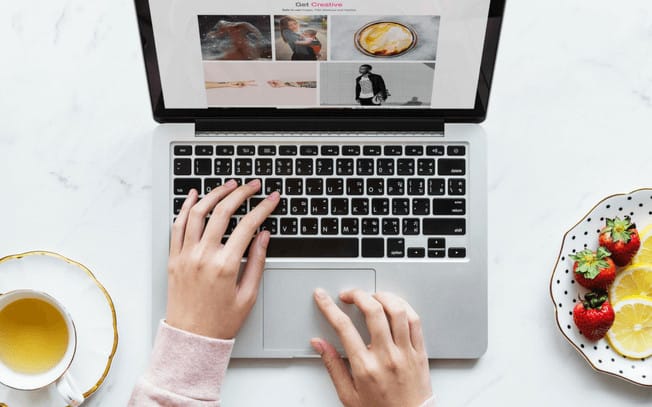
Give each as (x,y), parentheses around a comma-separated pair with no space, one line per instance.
(393,370)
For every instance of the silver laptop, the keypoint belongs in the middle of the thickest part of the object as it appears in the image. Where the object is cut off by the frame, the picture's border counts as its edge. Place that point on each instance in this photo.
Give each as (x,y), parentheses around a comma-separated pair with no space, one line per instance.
(363,115)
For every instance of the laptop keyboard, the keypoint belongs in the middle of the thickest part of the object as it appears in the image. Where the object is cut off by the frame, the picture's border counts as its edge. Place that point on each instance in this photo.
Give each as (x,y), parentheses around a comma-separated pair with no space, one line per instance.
(341,201)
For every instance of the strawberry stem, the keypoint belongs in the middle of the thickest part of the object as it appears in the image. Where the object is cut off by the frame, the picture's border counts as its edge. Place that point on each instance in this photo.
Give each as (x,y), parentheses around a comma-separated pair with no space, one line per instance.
(594,299)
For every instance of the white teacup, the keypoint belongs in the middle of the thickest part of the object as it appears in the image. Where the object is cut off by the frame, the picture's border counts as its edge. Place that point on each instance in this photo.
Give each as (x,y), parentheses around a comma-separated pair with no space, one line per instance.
(58,373)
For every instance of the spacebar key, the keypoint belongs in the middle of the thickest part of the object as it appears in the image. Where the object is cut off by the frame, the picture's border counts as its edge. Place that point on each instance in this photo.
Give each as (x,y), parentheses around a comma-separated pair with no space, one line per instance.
(312,247)
(446,226)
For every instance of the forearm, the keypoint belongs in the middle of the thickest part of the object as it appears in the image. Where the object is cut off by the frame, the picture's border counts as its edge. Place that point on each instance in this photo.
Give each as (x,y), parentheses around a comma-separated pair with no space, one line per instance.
(301,84)
(185,370)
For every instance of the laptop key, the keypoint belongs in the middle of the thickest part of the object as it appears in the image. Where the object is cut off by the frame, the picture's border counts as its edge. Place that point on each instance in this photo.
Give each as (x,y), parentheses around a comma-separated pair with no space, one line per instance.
(271,225)
(289,226)
(281,207)
(308,150)
(425,166)
(359,206)
(444,227)
(436,243)
(243,166)
(224,150)
(364,166)
(456,150)
(309,226)
(436,253)
(452,166)
(351,150)
(421,206)
(456,186)
(416,252)
(435,150)
(182,166)
(330,150)
(314,186)
(299,206)
(413,150)
(203,166)
(242,209)
(395,247)
(380,206)
(182,150)
(266,150)
(349,226)
(313,247)
(233,223)
(405,166)
(400,206)
(283,166)
(395,186)
(449,206)
(411,226)
(178,203)
(303,166)
(340,206)
(273,184)
(385,166)
(416,186)
(393,150)
(210,184)
(334,186)
(436,186)
(375,186)
(344,166)
(371,150)
(223,166)
(319,206)
(329,226)
(294,186)
(238,181)
(457,252)
(264,166)
(203,150)
(373,247)
(355,186)
(391,226)
(182,186)
(246,150)
(370,226)
(287,150)
(324,166)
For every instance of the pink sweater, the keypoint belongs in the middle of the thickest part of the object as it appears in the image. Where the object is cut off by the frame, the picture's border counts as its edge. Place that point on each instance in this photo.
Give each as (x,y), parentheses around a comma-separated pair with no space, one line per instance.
(187,370)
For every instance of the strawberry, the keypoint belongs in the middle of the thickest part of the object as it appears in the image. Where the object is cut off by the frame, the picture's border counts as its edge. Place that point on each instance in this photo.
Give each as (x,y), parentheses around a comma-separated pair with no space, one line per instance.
(594,315)
(594,270)
(621,238)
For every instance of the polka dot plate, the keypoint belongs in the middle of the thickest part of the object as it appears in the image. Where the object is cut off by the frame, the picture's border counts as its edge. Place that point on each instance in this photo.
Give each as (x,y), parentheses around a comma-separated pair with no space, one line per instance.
(564,290)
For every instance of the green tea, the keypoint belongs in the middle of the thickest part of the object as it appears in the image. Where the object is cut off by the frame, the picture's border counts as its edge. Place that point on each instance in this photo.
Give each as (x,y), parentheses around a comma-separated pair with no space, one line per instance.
(33,336)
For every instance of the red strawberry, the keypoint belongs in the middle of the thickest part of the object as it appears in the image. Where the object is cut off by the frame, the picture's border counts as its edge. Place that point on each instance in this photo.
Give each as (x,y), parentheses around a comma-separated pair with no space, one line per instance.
(594,270)
(621,238)
(594,315)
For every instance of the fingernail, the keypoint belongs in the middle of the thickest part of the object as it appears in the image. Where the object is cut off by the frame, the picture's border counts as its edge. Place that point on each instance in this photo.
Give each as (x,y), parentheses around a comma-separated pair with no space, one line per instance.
(317,346)
(274,196)
(320,293)
(264,240)
(231,183)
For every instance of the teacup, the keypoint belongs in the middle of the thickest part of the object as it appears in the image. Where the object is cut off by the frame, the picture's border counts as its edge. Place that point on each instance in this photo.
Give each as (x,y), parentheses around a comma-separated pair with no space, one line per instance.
(38,341)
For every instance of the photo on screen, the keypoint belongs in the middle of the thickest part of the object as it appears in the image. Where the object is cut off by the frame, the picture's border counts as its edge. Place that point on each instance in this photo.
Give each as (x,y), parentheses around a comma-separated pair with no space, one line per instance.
(301,38)
(263,84)
(411,38)
(406,84)
(235,38)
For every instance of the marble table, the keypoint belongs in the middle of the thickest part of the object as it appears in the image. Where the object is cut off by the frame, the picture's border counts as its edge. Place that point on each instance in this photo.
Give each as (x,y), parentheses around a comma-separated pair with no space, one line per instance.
(572,98)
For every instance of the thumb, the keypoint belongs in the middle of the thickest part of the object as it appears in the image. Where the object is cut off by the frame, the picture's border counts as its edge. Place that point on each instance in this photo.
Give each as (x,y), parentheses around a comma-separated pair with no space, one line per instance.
(337,370)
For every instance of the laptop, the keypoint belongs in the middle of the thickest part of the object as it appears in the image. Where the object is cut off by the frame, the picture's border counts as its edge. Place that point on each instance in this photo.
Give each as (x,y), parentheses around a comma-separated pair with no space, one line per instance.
(364,115)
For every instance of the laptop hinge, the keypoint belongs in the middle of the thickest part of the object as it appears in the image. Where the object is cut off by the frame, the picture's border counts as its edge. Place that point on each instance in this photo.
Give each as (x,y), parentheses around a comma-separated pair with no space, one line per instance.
(267,124)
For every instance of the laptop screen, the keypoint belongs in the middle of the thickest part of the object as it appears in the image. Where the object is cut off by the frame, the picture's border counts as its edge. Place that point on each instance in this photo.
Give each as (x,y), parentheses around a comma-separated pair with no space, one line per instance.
(352,54)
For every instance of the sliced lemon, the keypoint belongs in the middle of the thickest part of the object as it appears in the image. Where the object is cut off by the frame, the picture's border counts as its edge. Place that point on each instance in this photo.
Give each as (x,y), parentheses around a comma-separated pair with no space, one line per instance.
(644,254)
(633,280)
(631,333)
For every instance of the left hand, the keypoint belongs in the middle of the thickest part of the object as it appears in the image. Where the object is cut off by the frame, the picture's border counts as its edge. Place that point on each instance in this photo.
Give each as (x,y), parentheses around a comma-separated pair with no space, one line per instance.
(276,84)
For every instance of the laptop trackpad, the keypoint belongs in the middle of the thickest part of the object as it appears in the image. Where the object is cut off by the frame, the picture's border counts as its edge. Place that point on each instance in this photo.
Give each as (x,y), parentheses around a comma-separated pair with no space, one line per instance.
(291,317)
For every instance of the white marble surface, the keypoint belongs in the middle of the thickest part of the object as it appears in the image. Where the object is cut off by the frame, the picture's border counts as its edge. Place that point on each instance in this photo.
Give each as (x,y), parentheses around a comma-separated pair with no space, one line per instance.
(572,96)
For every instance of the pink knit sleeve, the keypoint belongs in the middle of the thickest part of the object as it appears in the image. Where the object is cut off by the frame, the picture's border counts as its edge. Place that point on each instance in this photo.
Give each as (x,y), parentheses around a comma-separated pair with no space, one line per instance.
(185,370)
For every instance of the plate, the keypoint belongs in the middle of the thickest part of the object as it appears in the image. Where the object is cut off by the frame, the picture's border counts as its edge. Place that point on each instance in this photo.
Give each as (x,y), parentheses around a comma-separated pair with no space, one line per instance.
(564,290)
(365,45)
(90,306)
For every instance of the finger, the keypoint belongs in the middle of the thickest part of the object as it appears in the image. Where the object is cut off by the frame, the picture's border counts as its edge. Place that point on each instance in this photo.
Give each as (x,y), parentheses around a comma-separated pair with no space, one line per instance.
(398,319)
(416,331)
(337,370)
(179,226)
(242,234)
(197,216)
(222,213)
(349,336)
(374,316)
(253,270)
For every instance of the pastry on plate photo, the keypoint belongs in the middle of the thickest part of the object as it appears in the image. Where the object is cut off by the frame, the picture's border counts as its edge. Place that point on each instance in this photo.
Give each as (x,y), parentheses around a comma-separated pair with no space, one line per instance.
(385,39)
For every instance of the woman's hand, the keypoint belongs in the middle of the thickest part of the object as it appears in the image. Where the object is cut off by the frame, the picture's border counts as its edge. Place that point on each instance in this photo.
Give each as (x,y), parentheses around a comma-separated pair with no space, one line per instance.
(205,296)
(393,370)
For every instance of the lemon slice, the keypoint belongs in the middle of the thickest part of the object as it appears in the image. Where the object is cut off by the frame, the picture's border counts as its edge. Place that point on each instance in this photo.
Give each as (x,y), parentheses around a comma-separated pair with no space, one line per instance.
(633,280)
(644,254)
(631,333)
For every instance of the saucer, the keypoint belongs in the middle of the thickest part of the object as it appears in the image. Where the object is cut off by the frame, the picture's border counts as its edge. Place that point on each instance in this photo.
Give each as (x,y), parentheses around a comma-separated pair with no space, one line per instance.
(88,303)
(564,291)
